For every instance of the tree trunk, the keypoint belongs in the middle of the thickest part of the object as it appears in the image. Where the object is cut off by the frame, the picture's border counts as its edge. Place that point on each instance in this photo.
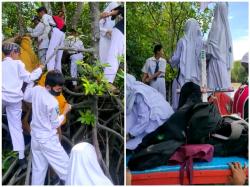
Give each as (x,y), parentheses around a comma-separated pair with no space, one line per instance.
(21,23)
(95,13)
(48,7)
(65,13)
(77,14)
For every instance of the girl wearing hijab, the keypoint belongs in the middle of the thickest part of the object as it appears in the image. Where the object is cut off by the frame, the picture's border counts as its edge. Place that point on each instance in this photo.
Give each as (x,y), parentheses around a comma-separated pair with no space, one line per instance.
(106,25)
(84,168)
(116,49)
(219,46)
(187,58)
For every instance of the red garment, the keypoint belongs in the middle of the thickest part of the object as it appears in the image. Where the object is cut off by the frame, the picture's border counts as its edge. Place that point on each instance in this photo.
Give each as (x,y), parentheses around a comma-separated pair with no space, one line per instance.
(240,99)
(223,103)
(186,154)
(59,22)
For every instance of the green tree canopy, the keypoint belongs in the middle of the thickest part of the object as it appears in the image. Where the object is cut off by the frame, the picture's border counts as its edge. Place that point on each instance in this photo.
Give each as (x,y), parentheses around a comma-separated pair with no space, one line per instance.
(238,73)
(11,13)
(158,22)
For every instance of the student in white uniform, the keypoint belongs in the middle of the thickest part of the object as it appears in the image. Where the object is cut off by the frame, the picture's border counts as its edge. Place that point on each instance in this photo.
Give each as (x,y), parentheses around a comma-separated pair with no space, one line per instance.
(56,40)
(116,49)
(14,75)
(154,71)
(73,41)
(187,58)
(106,25)
(84,168)
(45,145)
(41,34)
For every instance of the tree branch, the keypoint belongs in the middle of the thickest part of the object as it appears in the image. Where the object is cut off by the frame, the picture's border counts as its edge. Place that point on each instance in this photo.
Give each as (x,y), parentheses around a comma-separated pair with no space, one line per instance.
(111,131)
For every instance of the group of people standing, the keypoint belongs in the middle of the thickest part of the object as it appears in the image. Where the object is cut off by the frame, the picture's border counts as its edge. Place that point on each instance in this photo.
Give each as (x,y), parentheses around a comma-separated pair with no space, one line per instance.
(147,108)
(47,113)
(187,57)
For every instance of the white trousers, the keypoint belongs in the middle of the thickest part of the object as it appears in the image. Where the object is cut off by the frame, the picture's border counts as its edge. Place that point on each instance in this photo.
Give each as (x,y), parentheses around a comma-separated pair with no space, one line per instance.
(56,40)
(42,55)
(116,50)
(175,95)
(45,153)
(159,85)
(73,66)
(14,114)
(104,46)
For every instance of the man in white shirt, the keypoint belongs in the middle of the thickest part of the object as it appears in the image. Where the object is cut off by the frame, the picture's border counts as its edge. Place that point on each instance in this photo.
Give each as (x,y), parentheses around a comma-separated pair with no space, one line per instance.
(41,34)
(73,41)
(14,75)
(45,145)
(154,71)
(56,40)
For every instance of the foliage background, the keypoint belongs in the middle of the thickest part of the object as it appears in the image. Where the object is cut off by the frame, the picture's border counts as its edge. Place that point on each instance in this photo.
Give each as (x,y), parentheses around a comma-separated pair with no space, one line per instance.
(96,116)
(150,23)
(12,11)
(158,22)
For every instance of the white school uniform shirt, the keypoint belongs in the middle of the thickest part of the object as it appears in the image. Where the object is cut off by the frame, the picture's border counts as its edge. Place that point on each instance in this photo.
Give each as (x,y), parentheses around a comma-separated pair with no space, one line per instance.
(13,76)
(40,33)
(45,112)
(150,65)
(73,42)
(48,21)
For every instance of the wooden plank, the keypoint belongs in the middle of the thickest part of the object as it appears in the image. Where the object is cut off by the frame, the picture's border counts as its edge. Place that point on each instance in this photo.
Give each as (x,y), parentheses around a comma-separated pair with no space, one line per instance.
(172,178)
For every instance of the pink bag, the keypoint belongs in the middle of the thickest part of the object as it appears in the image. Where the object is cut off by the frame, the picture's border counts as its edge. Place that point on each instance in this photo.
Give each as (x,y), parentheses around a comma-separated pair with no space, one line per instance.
(186,154)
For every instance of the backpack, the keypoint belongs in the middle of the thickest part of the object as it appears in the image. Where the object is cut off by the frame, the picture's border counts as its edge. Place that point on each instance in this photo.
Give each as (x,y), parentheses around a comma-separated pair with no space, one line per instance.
(186,154)
(173,128)
(228,134)
(204,120)
(59,22)
(230,137)
(240,102)
(222,101)
(153,156)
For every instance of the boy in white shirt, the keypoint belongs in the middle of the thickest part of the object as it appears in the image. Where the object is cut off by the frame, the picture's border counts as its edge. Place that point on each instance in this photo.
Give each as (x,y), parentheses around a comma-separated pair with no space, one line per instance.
(56,40)
(73,41)
(41,34)
(14,75)
(45,145)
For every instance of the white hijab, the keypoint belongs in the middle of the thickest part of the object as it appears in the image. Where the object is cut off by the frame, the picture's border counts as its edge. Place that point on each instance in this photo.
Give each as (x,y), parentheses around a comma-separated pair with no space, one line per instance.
(245,58)
(106,23)
(219,41)
(111,6)
(84,167)
(192,45)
